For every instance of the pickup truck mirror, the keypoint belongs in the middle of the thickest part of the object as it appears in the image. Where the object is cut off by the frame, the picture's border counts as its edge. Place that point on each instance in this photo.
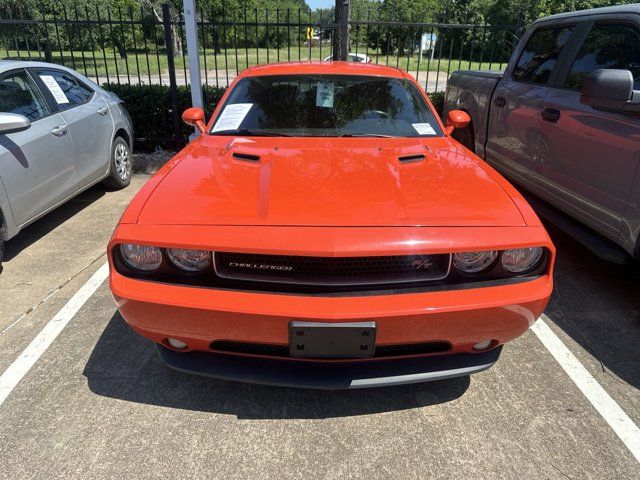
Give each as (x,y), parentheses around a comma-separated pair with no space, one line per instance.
(610,89)
(457,119)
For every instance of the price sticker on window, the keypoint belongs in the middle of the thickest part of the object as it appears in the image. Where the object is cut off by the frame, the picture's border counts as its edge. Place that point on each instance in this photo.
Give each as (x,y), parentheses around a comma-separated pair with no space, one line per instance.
(424,128)
(54,88)
(324,95)
(232,117)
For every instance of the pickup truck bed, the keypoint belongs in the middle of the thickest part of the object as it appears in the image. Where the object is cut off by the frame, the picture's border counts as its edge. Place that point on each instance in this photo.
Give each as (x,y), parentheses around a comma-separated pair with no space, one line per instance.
(471,91)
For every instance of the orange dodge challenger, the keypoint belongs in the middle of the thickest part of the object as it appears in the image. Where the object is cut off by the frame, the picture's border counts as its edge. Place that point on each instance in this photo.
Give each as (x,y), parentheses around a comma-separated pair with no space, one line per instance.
(325,231)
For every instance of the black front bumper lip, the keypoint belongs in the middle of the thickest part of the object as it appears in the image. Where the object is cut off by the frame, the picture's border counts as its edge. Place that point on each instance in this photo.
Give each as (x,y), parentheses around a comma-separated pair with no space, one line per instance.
(333,375)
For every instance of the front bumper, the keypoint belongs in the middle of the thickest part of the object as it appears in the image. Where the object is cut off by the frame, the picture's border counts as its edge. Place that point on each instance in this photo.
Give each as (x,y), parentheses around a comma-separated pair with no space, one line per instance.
(200,316)
(328,375)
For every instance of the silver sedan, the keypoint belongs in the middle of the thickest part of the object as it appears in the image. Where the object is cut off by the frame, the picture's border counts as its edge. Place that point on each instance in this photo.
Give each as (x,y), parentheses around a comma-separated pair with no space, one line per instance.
(60,133)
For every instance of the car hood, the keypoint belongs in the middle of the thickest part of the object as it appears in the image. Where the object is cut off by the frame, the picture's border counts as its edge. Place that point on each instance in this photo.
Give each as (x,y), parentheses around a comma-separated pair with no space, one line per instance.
(329,182)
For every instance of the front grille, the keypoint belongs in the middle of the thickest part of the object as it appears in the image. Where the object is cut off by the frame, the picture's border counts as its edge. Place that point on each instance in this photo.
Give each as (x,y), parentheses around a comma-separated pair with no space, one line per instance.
(283,350)
(332,270)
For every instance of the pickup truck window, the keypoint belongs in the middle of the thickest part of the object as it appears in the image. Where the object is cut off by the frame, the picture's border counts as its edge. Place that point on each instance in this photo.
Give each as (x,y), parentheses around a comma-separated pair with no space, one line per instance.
(607,46)
(540,55)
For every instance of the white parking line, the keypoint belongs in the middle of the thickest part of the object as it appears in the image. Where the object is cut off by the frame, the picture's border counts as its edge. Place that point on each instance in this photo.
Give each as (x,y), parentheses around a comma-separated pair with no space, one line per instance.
(19,368)
(606,406)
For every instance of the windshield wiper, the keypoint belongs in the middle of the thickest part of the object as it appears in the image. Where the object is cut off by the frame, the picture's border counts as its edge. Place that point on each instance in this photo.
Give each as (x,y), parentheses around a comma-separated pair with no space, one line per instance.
(246,132)
(377,135)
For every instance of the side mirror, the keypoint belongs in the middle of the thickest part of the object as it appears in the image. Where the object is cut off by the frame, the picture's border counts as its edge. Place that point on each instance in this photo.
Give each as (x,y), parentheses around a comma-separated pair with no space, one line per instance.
(456,119)
(12,122)
(194,116)
(610,89)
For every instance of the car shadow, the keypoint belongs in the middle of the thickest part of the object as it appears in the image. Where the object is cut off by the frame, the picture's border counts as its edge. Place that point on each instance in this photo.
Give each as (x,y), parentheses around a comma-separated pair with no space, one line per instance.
(125,366)
(597,303)
(50,221)
(15,150)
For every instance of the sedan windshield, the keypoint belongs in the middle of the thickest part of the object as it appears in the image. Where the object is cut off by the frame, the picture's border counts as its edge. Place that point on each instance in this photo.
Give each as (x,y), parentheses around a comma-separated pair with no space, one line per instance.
(326,106)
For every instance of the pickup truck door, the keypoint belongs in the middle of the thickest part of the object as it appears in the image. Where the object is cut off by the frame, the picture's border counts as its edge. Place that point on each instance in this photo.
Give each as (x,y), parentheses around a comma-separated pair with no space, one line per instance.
(594,155)
(514,142)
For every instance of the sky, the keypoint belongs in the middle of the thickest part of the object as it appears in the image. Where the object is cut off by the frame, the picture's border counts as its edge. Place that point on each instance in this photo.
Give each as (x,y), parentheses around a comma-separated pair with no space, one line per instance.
(320,3)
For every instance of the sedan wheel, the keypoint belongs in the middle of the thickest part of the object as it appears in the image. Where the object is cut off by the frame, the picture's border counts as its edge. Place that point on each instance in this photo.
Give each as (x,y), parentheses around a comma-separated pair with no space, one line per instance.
(122,162)
(121,166)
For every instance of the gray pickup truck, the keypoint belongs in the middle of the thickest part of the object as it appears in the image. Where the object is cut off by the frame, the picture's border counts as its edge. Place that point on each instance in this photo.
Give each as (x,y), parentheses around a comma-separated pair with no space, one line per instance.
(563,122)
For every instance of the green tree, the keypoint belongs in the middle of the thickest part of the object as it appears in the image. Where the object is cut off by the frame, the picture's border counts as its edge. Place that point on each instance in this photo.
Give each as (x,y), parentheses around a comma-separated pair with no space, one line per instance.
(402,39)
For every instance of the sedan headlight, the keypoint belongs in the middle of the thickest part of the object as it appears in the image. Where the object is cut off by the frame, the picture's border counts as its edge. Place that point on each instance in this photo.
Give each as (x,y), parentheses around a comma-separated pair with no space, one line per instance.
(520,260)
(189,260)
(141,257)
(474,262)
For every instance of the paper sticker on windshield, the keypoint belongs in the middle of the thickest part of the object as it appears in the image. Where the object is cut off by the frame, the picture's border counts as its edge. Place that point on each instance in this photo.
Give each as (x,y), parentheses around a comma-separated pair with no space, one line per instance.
(324,95)
(54,88)
(424,128)
(232,116)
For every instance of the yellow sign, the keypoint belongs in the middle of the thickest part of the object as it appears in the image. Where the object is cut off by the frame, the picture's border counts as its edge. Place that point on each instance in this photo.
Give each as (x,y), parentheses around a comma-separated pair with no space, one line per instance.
(309,33)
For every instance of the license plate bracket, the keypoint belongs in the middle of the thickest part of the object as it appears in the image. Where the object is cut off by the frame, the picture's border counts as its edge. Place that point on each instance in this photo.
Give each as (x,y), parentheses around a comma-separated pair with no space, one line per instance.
(337,340)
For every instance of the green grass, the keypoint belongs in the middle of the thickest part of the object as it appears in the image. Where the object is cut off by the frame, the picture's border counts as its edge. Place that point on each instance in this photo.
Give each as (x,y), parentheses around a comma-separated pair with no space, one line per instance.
(141,64)
(91,62)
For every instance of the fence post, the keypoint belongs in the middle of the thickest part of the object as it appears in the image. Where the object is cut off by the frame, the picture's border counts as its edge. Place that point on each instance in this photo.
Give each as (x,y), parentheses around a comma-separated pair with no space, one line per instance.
(173,88)
(191,30)
(341,42)
(48,54)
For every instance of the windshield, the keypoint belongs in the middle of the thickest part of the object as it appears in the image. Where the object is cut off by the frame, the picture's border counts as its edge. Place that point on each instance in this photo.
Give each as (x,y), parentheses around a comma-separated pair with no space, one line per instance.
(326,106)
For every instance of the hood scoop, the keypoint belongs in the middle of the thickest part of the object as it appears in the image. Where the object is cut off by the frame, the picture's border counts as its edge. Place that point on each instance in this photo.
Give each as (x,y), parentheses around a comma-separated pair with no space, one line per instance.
(246,157)
(420,157)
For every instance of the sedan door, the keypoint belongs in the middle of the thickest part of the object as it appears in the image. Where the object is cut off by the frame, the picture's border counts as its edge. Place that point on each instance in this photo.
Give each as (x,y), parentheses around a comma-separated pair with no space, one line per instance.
(37,165)
(88,117)
(595,153)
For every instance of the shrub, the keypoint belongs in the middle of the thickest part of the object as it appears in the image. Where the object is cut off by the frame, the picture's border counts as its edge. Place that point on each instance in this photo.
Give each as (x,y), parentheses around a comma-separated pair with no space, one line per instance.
(150,110)
(437,98)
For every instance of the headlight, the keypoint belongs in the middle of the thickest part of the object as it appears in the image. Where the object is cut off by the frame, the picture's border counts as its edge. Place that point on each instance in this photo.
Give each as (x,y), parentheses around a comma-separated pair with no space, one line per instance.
(141,257)
(189,260)
(474,262)
(520,260)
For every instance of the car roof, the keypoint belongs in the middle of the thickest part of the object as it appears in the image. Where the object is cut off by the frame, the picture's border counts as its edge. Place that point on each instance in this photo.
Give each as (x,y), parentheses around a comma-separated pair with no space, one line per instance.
(10,64)
(335,68)
(632,8)
(6,65)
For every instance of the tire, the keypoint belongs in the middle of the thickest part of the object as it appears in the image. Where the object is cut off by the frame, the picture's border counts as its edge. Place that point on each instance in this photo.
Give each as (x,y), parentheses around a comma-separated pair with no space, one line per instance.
(465,137)
(2,227)
(120,168)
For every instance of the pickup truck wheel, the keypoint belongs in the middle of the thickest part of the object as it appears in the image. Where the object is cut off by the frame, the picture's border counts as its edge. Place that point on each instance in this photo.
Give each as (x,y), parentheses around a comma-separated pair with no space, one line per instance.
(121,168)
(465,136)
(1,253)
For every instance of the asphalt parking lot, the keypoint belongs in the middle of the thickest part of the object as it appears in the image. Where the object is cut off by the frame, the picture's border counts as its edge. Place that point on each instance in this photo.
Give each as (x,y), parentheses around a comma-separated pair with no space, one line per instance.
(99,404)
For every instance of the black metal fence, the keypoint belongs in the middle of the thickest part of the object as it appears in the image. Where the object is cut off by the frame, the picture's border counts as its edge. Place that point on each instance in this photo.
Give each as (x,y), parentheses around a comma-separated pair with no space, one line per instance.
(146,45)
(115,45)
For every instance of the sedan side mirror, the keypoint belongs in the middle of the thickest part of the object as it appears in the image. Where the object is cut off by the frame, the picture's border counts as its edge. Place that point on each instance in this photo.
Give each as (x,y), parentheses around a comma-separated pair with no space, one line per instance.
(610,89)
(12,122)
(457,119)
(194,116)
